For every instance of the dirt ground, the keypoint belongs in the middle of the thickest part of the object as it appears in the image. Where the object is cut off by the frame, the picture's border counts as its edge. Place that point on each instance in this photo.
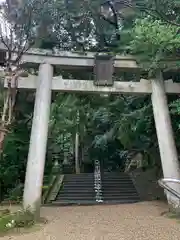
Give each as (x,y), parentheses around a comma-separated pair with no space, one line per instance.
(106,222)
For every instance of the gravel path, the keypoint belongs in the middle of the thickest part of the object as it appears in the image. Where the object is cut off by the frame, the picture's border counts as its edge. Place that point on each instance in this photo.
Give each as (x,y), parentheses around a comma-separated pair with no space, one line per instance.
(141,221)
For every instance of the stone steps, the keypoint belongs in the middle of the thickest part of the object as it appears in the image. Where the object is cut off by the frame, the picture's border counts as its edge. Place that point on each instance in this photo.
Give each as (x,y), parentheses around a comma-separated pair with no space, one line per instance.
(79,189)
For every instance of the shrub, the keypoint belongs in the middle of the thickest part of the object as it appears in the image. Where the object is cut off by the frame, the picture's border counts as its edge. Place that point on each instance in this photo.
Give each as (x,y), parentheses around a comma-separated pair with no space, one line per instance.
(24,218)
(12,221)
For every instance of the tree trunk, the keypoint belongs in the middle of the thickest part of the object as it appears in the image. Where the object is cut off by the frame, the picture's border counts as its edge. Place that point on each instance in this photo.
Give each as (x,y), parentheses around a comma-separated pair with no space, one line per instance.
(77,163)
(82,151)
(2,137)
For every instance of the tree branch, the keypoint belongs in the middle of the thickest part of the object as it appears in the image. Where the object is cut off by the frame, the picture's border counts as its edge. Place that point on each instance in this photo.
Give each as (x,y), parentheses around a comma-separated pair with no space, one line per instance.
(158,13)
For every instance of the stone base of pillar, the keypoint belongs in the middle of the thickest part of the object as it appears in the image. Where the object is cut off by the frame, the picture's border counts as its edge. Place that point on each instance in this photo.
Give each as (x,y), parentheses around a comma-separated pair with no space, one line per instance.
(173,203)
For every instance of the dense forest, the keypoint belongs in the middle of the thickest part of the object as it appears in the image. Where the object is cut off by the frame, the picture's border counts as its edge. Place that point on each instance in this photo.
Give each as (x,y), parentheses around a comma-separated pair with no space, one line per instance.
(112,128)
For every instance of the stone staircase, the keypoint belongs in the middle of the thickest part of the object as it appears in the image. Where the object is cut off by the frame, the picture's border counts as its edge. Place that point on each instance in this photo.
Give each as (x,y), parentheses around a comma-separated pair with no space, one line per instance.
(118,188)
(79,189)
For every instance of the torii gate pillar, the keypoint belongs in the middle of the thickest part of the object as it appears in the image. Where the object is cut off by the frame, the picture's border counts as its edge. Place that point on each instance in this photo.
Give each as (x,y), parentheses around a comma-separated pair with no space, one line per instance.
(167,147)
(38,140)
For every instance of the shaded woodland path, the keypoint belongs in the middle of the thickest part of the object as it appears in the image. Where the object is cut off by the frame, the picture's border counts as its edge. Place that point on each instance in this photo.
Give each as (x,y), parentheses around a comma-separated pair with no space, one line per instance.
(117,222)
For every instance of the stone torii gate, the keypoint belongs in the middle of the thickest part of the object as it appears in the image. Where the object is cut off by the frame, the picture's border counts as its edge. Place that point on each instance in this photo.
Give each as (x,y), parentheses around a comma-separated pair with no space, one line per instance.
(45,83)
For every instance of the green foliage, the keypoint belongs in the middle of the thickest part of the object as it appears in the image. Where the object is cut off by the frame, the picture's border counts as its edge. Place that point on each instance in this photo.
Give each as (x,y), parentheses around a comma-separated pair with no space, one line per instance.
(5,222)
(154,41)
(14,157)
(16,193)
(123,122)
(24,218)
(165,10)
(175,111)
(175,107)
(16,220)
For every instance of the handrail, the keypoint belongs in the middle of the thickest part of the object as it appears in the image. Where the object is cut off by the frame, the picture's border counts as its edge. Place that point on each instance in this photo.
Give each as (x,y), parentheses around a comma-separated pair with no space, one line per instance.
(48,190)
(55,188)
(97,181)
(163,183)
